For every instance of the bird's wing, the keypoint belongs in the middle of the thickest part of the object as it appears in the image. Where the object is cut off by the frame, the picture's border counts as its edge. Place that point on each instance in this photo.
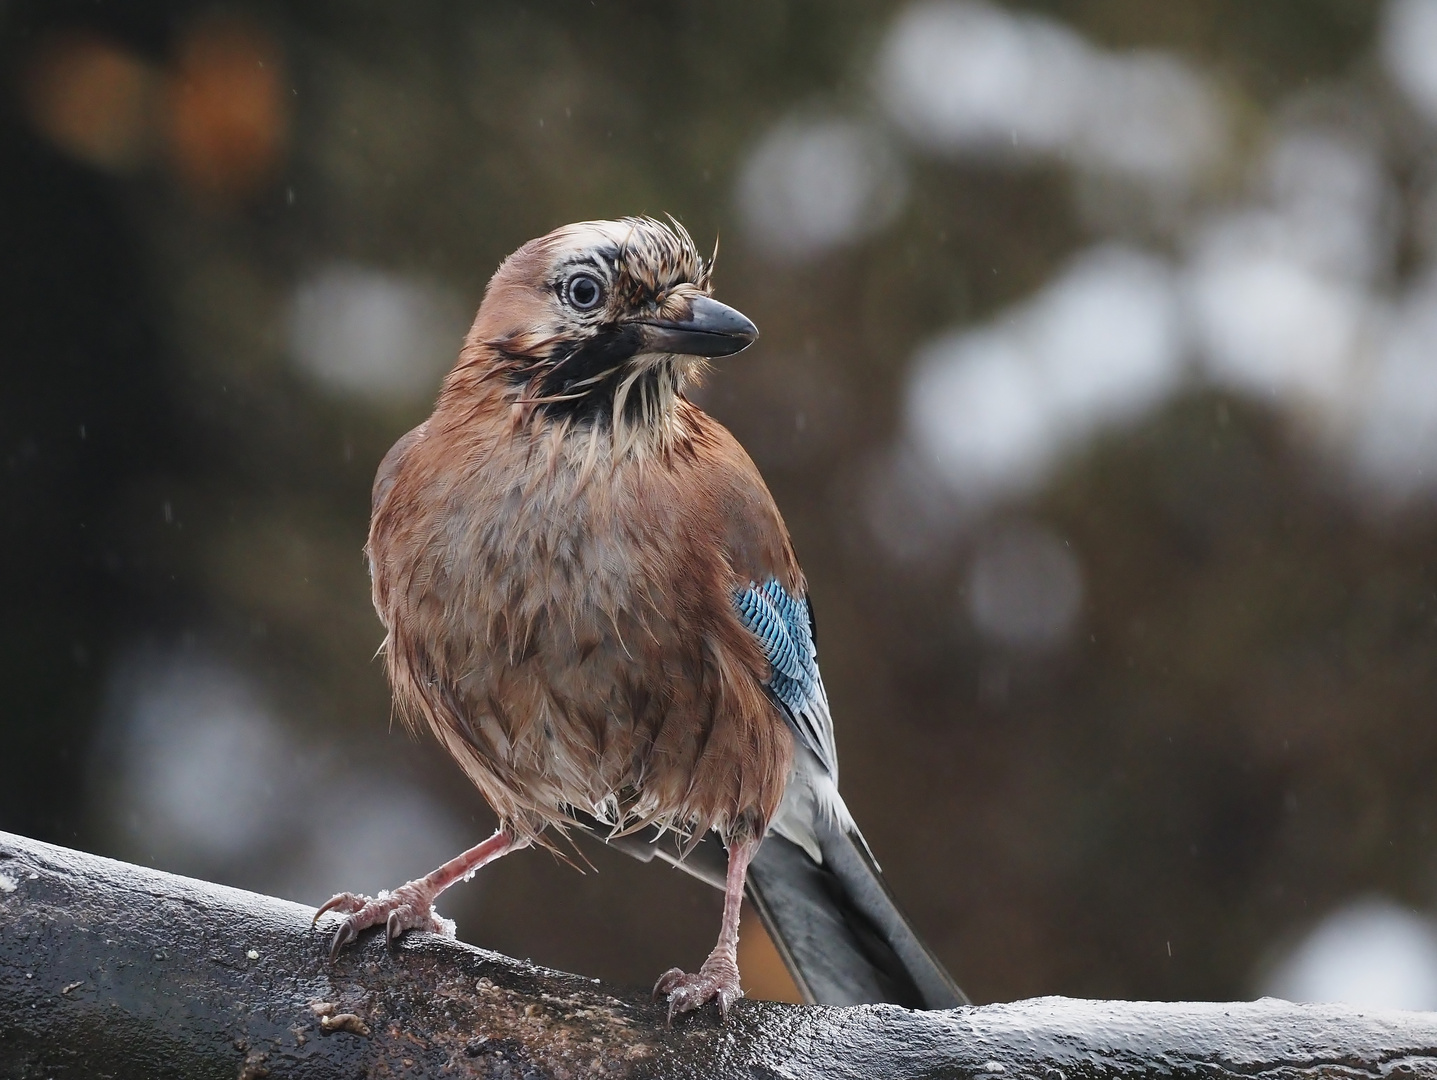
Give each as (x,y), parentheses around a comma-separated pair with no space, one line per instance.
(389,467)
(783,625)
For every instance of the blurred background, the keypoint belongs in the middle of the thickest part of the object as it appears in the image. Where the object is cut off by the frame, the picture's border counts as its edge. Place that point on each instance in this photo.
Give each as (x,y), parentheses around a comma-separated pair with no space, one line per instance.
(1098,384)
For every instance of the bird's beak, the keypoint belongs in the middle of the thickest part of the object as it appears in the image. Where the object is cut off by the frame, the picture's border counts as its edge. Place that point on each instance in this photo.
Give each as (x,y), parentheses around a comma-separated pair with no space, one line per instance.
(712,329)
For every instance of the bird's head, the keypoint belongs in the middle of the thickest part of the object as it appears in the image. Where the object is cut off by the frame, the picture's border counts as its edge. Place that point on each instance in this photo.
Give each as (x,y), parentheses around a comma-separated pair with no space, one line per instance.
(602,322)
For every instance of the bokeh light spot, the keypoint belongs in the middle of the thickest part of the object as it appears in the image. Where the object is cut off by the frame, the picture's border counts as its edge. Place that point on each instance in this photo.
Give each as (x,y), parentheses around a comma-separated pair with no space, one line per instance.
(93,99)
(229,120)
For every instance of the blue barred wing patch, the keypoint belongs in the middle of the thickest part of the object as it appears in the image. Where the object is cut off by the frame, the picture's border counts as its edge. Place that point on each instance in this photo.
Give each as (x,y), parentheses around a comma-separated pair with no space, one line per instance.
(784,629)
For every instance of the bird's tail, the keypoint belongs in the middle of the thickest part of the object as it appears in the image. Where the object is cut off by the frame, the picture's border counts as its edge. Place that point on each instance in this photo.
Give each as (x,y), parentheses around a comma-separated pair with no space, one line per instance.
(835,924)
(838,928)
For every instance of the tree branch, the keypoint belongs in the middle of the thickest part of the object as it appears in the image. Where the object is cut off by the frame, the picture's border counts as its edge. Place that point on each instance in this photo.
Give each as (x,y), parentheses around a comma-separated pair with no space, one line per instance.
(108,969)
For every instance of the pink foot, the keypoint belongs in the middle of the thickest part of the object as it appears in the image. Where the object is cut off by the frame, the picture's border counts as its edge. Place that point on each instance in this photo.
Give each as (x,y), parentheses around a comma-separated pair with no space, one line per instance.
(409,907)
(717,981)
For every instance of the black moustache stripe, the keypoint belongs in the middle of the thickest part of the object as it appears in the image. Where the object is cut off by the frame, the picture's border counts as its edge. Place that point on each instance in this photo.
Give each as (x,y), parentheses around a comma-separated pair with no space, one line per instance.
(572,365)
(566,377)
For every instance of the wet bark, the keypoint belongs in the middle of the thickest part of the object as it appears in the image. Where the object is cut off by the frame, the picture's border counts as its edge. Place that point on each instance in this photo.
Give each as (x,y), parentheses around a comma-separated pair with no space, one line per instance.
(112,970)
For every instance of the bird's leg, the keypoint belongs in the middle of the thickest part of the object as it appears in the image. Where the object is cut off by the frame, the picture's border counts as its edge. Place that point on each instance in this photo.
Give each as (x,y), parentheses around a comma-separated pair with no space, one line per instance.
(717,979)
(411,906)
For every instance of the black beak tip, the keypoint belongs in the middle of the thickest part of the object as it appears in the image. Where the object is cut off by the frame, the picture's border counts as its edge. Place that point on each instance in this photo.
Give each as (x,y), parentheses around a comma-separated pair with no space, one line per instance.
(712,329)
(716,318)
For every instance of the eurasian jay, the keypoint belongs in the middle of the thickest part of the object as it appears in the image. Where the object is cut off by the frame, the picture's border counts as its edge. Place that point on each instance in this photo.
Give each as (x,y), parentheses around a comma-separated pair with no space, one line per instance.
(592,602)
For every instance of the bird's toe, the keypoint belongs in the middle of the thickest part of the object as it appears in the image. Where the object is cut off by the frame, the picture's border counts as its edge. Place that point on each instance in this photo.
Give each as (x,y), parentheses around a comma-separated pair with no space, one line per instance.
(345,903)
(667,981)
(717,982)
(409,907)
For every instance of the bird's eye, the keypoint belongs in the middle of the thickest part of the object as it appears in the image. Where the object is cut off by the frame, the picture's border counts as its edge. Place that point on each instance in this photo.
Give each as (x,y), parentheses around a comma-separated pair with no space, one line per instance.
(584,292)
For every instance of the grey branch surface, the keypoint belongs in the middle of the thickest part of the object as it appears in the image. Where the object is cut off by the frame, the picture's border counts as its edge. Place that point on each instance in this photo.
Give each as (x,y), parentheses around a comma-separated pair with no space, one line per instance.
(113,970)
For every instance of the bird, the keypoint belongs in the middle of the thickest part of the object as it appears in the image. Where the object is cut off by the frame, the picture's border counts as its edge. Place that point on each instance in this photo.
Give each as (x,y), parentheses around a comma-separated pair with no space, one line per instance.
(591,600)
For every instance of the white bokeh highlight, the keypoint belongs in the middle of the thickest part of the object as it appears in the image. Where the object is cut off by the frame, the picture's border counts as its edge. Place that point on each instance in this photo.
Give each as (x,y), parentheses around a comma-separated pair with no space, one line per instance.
(198,773)
(992,409)
(201,762)
(1394,445)
(1024,587)
(372,832)
(977,413)
(813,184)
(1371,953)
(968,78)
(1408,46)
(961,76)
(1269,324)
(1331,202)
(1284,298)
(361,332)
(1281,290)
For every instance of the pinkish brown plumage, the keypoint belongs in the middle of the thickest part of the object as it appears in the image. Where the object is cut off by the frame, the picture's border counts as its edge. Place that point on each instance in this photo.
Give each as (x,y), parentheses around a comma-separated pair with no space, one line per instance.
(562,554)
(556,620)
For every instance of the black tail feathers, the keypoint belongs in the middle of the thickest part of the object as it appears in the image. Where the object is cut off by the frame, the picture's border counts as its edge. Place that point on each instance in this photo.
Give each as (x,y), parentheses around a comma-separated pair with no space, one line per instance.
(840,931)
(836,925)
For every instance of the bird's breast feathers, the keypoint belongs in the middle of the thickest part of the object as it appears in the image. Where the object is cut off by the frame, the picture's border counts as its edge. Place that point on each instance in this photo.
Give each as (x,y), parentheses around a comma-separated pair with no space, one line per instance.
(570,613)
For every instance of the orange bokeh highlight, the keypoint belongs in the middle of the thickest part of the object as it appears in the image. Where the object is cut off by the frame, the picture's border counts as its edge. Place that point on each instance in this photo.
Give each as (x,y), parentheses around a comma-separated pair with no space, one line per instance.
(93,100)
(228,118)
(221,112)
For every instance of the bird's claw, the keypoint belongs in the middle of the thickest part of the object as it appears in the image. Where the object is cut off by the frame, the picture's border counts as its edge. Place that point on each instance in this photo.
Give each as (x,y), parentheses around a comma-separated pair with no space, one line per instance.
(717,981)
(346,933)
(409,907)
